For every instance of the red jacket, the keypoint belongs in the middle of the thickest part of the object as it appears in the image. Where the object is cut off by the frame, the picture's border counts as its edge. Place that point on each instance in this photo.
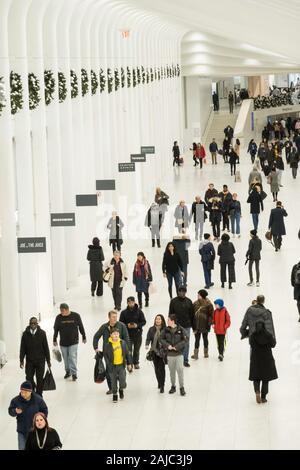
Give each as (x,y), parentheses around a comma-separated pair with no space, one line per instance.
(202,152)
(221,321)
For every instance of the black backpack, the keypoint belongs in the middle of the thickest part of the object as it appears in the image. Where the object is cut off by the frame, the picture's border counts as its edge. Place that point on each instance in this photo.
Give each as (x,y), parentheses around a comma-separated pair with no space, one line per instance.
(297,275)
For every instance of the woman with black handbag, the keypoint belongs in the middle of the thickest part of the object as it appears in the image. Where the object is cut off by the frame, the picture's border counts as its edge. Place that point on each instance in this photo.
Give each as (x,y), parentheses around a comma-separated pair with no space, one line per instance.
(156,353)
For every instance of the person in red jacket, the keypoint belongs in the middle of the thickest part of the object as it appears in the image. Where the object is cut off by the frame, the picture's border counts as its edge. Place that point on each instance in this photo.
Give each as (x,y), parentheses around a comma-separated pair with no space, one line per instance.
(200,154)
(221,322)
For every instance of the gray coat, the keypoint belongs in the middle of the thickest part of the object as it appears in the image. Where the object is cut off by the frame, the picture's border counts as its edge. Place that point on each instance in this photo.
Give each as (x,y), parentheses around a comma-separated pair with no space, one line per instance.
(254,314)
(273,179)
(276,221)
(114,230)
(179,216)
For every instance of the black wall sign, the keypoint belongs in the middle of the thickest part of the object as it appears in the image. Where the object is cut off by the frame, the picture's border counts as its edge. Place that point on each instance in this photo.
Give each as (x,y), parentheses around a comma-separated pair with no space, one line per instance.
(103,185)
(138,157)
(63,220)
(32,245)
(86,200)
(126,167)
(148,149)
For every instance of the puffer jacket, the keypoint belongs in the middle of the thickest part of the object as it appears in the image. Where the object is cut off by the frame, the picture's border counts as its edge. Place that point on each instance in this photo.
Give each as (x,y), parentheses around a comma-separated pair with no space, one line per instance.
(221,321)
(254,314)
(175,337)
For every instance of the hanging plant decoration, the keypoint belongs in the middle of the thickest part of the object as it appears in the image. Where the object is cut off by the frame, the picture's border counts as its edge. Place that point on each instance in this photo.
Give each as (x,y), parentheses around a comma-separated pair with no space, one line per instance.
(178,70)
(110,81)
(16,92)
(117,79)
(2,95)
(151,74)
(84,82)
(138,75)
(122,77)
(94,82)
(62,87)
(33,91)
(147,75)
(133,77)
(49,82)
(74,84)
(128,77)
(102,80)
(143,74)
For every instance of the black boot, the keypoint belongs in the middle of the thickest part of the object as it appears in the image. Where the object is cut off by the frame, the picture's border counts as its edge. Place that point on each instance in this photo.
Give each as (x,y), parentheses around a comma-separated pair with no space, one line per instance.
(158,242)
(153,242)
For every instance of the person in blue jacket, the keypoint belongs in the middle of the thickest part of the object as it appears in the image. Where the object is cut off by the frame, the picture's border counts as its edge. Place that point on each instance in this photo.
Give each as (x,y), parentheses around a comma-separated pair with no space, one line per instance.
(24,407)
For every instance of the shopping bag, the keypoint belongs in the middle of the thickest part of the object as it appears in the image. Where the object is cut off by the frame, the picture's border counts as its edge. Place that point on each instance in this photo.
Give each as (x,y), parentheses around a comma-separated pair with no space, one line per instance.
(152,289)
(99,369)
(48,382)
(237,177)
(56,354)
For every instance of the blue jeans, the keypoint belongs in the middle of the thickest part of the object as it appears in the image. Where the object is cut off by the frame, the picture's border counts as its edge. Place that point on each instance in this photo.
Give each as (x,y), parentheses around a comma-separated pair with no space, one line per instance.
(177,279)
(235,223)
(255,220)
(69,354)
(187,346)
(207,273)
(21,441)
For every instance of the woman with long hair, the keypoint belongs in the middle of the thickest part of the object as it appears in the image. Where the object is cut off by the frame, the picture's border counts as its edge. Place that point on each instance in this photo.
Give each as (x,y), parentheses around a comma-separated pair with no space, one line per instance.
(152,339)
(172,267)
(42,437)
(142,276)
(96,257)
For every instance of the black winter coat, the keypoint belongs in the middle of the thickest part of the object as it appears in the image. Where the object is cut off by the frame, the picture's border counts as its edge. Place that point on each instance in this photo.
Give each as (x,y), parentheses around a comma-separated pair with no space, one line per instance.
(276,221)
(226,252)
(52,441)
(175,337)
(262,364)
(34,347)
(184,311)
(172,263)
(30,408)
(255,201)
(294,159)
(295,286)
(208,254)
(254,249)
(95,256)
(134,315)
(182,247)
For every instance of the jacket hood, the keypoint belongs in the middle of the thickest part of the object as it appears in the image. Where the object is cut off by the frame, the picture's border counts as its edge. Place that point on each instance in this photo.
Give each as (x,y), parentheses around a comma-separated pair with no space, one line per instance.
(202,243)
(257,310)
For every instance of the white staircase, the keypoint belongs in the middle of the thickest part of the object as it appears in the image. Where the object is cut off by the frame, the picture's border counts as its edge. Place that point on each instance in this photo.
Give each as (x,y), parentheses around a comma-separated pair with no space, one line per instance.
(220,120)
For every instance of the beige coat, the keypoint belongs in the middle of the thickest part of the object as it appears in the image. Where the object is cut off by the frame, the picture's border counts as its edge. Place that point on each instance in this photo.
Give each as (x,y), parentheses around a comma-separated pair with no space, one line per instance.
(112,274)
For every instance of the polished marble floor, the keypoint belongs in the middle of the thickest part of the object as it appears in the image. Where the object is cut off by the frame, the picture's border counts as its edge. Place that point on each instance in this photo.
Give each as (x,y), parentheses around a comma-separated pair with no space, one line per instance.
(219,410)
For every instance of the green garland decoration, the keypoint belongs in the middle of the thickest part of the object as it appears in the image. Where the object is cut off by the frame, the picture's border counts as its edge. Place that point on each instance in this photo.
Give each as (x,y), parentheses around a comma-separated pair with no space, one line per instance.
(94,82)
(2,95)
(133,77)
(62,87)
(138,76)
(143,74)
(128,77)
(122,77)
(84,82)
(33,91)
(49,82)
(110,81)
(74,84)
(16,92)
(117,79)
(102,80)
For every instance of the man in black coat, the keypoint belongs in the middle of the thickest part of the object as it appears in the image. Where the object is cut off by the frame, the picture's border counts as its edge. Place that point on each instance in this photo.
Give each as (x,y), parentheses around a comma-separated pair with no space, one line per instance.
(295,281)
(34,347)
(182,307)
(276,224)
(182,243)
(256,204)
(134,319)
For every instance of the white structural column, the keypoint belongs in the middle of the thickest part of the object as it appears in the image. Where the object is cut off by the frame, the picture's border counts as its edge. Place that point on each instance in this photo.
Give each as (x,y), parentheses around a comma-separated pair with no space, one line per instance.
(10,324)
(54,152)
(39,154)
(28,262)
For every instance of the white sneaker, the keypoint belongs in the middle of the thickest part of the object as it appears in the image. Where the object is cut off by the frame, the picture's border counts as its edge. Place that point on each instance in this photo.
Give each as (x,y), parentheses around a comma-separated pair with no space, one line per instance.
(250,284)
(257,284)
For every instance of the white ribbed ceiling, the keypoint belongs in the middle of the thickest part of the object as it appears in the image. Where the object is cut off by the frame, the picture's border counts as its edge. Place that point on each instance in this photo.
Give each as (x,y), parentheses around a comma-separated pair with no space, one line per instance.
(233,37)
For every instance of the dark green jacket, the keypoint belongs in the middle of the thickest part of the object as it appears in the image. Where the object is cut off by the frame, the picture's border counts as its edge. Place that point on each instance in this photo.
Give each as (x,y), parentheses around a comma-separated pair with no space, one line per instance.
(104,331)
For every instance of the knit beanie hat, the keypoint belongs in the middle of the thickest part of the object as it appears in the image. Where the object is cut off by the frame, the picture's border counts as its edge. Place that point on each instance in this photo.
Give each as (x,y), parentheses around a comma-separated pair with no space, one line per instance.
(219,302)
(26,386)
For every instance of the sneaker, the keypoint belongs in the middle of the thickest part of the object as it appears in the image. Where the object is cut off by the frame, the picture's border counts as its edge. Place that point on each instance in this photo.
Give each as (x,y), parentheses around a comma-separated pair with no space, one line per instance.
(115,398)
(109,392)
(67,375)
(220,357)
(186,364)
(250,283)
(264,400)
(212,284)
(257,284)
(206,287)
(74,377)
(172,389)
(93,294)
(147,303)
(222,285)
(162,389)
(136,366)
(121,393)
(182,391)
